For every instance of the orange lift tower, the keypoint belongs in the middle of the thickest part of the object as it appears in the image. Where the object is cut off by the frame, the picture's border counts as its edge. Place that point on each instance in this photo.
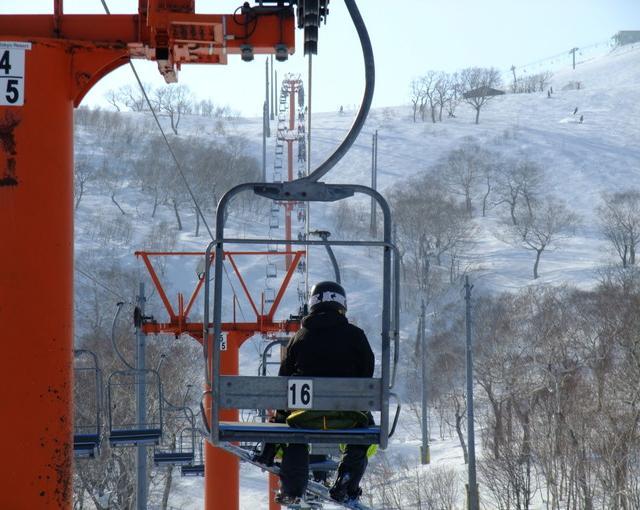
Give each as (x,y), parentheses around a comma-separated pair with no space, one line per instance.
(47,64)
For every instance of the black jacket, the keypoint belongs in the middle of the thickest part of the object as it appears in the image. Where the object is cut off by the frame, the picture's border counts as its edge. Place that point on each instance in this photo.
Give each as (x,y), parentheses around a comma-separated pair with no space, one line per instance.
(328,346)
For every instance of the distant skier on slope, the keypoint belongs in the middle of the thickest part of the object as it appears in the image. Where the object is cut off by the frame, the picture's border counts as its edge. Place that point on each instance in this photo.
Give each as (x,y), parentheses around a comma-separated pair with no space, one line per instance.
(327,345)
(575,111)
(581,118)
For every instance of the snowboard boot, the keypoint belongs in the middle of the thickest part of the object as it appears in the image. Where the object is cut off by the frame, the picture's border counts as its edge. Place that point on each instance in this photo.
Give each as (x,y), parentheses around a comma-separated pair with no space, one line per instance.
(339,490)
(353,496)
(267,454)
(286,500)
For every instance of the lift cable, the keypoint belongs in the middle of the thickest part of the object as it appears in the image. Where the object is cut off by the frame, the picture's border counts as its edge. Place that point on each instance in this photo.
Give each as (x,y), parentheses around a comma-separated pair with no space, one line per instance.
(99,283)
(113,338)
(175,160)
(370,78)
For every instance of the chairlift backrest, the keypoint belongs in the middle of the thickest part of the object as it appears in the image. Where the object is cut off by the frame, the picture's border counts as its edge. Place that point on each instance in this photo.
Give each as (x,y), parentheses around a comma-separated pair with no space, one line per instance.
(88,395)
(125,427)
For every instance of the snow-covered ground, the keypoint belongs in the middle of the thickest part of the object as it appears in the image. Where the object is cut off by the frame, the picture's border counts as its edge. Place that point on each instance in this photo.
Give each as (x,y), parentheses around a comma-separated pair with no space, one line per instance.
(582,160)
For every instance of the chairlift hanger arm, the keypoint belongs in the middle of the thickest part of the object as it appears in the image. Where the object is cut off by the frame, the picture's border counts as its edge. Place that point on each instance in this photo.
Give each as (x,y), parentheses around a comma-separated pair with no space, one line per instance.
(365,106)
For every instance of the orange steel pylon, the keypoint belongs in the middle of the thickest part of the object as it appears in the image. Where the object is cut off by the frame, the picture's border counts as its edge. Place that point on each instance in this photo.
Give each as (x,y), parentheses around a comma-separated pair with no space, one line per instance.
(47,65)
(224,481)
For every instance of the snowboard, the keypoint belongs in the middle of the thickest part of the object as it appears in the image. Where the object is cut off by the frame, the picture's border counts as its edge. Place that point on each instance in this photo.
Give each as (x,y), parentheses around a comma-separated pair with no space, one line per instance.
(313,488)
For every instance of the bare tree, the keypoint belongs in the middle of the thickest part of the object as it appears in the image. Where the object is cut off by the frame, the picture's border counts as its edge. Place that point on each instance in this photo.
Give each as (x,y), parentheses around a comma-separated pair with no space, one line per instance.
(548,222)
(453,94)
(429,81)
(173,101)
(416,94)
(441,92)
(206,108)
(113,98)
(82,174)
(131,96)
(431,228)
(478,84)
(544,79)
(463,169)
(517,182)
(620,222)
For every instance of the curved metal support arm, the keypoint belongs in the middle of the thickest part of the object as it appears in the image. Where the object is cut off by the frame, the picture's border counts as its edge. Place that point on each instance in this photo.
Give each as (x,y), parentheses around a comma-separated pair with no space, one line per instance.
(324,235)
(370,81)
(113,337)
(396,316)
(203,412)
(267,349)
(397,415)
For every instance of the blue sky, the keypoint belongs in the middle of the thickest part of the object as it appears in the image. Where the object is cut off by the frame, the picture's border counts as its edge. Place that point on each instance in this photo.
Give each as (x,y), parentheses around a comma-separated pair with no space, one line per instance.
(409,38)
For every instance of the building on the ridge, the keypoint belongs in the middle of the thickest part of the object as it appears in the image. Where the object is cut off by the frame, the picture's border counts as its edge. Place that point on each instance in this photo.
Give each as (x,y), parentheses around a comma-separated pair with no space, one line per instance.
(482,92)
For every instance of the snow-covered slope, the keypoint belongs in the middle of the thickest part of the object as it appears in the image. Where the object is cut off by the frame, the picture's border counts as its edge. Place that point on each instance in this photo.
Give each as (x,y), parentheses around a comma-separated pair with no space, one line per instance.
(582,160)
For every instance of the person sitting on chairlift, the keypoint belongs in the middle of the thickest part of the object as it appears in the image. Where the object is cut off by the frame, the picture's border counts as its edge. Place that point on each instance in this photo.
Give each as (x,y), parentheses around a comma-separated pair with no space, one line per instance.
(326,345)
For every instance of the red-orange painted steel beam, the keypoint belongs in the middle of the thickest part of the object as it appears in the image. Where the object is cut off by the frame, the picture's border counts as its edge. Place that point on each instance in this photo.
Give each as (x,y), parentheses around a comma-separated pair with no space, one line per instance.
(285,284)
(190,38)
(274,485)
(36,209)
(243,284)
(222,490)
(183,317)
(158,286)
(68,55)
(194,329)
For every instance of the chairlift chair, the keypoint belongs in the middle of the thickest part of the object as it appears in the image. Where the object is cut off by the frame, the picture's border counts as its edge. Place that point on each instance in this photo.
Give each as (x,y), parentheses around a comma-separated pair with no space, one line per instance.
(269,295)
(87,426)
(256,392)
(196,467)
(177,448)
(272,270)
(125,429)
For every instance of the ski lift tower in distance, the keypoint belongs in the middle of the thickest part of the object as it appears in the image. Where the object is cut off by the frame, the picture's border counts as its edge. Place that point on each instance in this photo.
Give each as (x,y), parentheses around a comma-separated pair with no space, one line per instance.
(48,62)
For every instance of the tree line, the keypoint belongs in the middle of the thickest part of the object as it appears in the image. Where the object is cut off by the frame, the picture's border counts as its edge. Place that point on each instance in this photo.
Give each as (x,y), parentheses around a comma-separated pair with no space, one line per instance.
(129,158)
(171,101)
(557,378)
(436,92)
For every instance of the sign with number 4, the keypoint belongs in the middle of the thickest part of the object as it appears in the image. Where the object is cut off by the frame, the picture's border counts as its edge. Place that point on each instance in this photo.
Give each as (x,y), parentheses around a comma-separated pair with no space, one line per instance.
(300,394)
(12,72)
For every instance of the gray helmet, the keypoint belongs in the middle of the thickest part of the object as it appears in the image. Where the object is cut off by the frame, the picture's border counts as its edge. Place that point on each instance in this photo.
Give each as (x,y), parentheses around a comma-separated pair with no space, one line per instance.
(327,296)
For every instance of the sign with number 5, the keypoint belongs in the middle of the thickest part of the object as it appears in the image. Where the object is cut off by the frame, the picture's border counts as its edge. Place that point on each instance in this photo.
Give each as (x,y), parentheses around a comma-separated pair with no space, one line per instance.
(12,56)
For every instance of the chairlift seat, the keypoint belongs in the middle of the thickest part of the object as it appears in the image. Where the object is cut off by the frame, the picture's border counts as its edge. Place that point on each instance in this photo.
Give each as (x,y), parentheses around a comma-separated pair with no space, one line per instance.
(279,433)
(85,445)
(172,458)
(135,437)
(192,470)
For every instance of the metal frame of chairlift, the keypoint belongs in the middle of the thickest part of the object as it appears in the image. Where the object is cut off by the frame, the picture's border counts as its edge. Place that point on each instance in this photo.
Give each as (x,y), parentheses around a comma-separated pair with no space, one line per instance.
(147,433)
(196,468)
(256,392)
(177,456)
(87,445)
